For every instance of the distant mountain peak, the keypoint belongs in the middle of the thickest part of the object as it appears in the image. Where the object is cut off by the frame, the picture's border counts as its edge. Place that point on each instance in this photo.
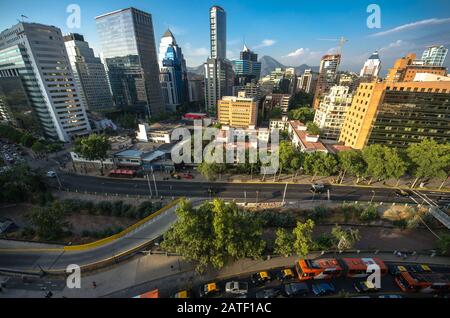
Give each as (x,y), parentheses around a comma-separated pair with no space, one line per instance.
(269,64)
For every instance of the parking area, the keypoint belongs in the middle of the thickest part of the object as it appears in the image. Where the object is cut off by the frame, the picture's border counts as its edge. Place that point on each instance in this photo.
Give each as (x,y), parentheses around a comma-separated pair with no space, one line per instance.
(275,286)
(11,153)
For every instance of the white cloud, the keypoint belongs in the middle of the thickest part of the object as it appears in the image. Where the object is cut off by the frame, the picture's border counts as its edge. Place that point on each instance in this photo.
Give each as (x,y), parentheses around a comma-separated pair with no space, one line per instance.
(396,44)
(413,25)
(195,55)
(298,52)
(302,56)
(265,43)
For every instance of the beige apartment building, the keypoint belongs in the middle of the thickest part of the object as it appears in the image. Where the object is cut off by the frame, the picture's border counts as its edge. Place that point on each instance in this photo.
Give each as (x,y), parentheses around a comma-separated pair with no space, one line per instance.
(238,112)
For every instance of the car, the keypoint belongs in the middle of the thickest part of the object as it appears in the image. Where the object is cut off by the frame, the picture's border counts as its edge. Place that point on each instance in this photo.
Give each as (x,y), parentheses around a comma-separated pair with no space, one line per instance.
(51,174)
(286,274)
(188,176)
(175,176)
(261,278)
(212,191)
(365,287)
(296,289)
(395,269)
(267,293)
(402,193)
(390,296)
(236,288)
(182,294)
(420,268)
(323,289)
(209,289)
(318,188)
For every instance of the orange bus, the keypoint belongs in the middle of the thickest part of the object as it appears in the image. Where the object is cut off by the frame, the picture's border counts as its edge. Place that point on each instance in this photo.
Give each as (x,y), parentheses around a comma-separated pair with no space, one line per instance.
(423,282)
(325,268)
(357,267)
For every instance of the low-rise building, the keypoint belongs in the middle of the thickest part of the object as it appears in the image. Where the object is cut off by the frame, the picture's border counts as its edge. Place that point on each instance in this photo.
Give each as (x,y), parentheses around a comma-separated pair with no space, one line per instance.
(238,112)
(304,141)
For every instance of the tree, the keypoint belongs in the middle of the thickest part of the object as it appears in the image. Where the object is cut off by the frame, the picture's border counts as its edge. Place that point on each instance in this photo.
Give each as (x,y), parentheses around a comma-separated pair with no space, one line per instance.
(287,153)
(344,239)
(38,147)
(213,234)
(211,170)
(49,221)
(312,128)
(283,242)
(27,140)
(93,147)
(374,156)
(430,159)
(303,114)
(320,164)
(303,241)
(352,162)
(275,113)
(444,243)
(396,166)
(301,99)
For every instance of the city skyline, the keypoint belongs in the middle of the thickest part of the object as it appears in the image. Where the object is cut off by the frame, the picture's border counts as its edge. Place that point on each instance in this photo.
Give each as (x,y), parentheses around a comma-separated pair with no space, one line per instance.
(302,36)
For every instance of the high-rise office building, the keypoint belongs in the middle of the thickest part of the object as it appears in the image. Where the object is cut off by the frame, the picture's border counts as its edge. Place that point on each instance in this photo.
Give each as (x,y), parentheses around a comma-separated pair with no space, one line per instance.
(247,68)
(36,54)
(308,81)
(332,111)
(372,66)
(398,114)
(218,30)
(238,112)
(406,68)
(219,74)
(434,55)
(89,74)
(173,69)
(129,54)
(327,76)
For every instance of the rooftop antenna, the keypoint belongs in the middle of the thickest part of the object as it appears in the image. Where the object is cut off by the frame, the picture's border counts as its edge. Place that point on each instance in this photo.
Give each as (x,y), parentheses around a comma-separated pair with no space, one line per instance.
(341,42)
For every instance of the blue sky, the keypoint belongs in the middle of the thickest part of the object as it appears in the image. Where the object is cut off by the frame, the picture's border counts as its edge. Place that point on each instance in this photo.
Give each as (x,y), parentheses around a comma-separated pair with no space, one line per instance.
(290,31)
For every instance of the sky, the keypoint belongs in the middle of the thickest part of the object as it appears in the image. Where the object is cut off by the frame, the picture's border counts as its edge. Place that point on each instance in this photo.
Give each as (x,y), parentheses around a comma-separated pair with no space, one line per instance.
(293,32)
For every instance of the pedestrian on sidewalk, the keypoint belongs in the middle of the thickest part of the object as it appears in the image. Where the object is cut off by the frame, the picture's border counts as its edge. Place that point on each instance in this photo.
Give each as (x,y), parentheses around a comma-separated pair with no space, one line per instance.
(94,285)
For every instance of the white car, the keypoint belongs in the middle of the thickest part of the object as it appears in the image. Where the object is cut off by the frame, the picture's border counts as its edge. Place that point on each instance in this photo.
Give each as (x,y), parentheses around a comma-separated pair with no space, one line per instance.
(237,288)
(51,174)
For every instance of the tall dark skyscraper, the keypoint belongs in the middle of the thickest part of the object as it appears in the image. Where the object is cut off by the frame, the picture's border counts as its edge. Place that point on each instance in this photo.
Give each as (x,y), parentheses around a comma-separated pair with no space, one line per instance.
(219,74)
(218,26)
(129,53)
(247,68)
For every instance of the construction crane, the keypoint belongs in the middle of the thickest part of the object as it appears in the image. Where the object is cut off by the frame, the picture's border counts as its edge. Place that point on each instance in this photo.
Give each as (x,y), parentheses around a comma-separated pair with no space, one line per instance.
(341,41)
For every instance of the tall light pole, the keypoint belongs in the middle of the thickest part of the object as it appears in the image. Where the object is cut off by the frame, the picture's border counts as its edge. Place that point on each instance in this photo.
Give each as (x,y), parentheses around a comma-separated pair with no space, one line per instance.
(257,197)
(154,181)
(284,195)
(373,196)
(149,186)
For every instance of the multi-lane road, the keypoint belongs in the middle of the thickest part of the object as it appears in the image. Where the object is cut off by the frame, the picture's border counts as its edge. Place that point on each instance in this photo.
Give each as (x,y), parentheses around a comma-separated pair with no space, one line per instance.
(26,259)
(261,192)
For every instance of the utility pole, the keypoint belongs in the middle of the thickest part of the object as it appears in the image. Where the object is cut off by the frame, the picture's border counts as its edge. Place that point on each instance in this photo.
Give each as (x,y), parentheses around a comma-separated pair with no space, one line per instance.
(154,181)
(149,186)
(373,196)
(284,195)
(257,197)
(245,197)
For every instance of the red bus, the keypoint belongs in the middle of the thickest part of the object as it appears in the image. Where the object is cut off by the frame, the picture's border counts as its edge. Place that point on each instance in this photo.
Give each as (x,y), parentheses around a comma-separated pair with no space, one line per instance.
(325,268)
(357,267)
(122,173)
(423,282)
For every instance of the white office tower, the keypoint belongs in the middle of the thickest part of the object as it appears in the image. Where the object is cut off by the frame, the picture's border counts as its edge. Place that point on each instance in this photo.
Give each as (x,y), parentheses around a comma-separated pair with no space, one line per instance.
(36,53)
(372,66)
(434,55)
(331,113)
(89,74)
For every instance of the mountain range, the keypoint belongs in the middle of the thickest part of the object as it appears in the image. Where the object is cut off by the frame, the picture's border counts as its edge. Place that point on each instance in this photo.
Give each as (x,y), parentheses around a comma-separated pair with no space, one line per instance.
(268,64)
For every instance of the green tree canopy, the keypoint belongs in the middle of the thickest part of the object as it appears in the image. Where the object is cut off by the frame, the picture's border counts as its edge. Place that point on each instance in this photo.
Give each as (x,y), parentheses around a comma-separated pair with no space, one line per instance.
(352,162)
(430,159)
(213,234)
(303,114)
(312,128)
(283,242)
(49,221)
(93,147)
(344,239)
(303,241)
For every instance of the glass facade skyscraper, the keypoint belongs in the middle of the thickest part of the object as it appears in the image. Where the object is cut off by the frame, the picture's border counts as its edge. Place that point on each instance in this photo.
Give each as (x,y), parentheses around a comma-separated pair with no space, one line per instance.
(129,53)
(247,68)
(218,26)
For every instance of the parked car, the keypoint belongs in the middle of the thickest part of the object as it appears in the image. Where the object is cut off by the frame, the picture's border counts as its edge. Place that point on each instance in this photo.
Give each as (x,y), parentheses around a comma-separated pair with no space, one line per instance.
(267,293)
(261,278)
(395,269)
(420,268)
(237,288)
(182,294)
(285,274)
(188,176)
(296,289)
(209,290)
(365,287)
(323,289)
(175,176)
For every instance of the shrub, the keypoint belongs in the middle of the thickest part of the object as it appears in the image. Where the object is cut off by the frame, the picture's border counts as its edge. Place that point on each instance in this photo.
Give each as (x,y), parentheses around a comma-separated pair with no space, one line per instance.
(324,242)
(369,214)
(318,213)
(104,208)
(402,224)
(274,219)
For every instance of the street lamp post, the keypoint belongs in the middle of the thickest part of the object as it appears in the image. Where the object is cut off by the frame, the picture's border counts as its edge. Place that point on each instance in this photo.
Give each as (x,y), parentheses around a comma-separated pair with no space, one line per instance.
(373,196)
(284,195)
(149,186)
